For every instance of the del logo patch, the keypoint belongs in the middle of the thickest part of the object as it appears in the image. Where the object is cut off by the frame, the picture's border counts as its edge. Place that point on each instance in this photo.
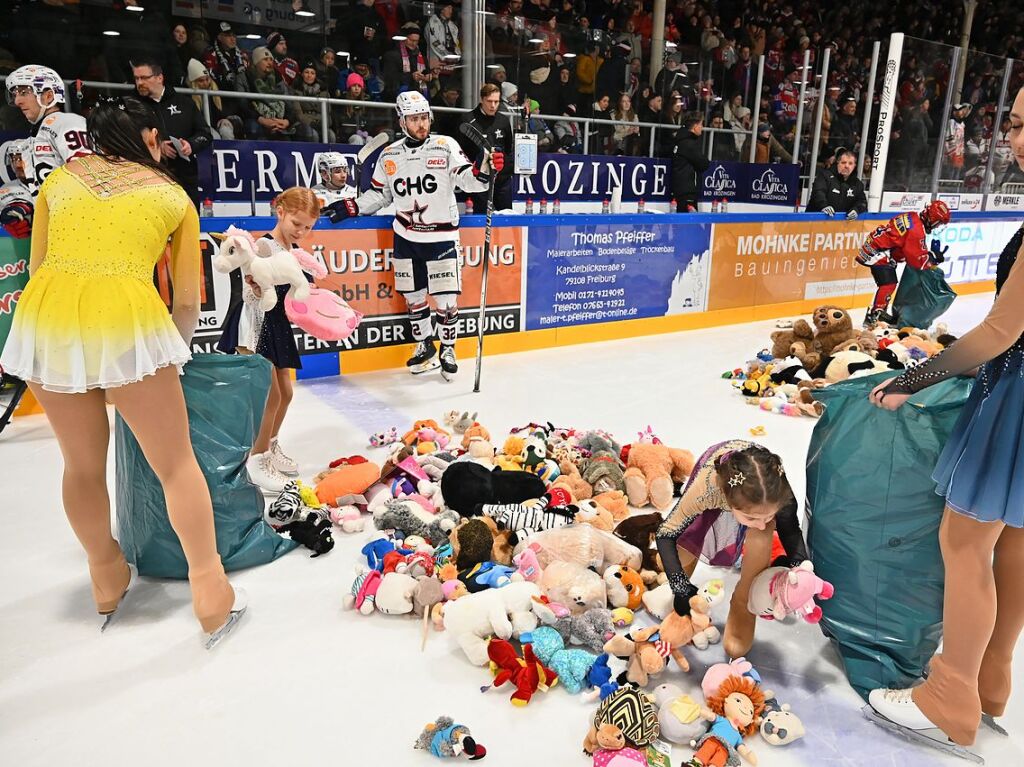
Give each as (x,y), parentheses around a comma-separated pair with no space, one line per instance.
(436,162)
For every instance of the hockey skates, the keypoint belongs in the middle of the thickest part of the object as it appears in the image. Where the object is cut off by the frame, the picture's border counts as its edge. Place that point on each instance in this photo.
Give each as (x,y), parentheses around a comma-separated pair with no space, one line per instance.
(424,358)
(449,365)
(930,736)
(238,608)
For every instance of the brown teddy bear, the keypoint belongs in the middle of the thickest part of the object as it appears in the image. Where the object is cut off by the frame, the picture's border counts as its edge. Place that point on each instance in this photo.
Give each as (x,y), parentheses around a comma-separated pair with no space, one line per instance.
(640,531)
(832,327)
(652,470)
(798,342)
(573,481)
(615,502)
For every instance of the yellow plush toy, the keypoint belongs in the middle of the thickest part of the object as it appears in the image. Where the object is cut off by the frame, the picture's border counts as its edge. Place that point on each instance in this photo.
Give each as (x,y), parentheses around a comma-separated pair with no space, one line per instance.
(308,495)
(758,381)
(511,456)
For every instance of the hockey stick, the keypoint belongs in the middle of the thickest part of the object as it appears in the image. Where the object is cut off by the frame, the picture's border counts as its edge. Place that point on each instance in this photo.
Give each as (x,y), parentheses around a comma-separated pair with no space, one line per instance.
(477,137)
(371,146)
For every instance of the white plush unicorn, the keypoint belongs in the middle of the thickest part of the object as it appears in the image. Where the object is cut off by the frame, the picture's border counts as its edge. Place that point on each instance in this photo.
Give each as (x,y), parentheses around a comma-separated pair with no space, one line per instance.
(268,267)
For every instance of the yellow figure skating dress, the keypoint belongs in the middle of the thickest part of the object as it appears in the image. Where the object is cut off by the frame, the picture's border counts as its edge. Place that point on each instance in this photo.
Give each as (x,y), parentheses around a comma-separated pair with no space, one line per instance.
(90,316)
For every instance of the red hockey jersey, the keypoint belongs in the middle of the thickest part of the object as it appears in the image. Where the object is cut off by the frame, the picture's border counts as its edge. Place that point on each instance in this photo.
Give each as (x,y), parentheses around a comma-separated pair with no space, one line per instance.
(902,239)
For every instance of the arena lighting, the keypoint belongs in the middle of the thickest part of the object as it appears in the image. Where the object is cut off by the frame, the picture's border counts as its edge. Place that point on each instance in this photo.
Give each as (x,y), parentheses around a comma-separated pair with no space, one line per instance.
(251,36)
(134,8)
(534,40)
(304,11)
(568,55)
(111,33)
(496,66)
(399,38)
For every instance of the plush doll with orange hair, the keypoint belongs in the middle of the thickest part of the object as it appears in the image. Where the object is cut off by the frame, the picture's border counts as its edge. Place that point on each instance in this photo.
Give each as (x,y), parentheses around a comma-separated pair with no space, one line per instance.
(734,712)
(651,471)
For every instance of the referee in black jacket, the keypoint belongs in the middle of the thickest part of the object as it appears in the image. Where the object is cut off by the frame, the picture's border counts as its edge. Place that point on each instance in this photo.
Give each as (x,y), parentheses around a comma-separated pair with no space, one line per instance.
(496,126)
(837,189)
(179,118)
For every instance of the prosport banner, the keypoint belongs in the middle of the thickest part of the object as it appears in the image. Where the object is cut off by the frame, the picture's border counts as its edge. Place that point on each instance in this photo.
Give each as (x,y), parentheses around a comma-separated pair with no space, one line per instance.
(603,273)
(358,263)
(759,183)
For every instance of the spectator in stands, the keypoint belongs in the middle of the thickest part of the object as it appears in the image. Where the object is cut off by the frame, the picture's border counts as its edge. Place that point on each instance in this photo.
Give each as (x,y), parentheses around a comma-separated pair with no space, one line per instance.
(767,148)
(177,64)
(672,76)
(366,34)
(287,68)
(844,131)
(634,76)
(976,149)
(601,133)
(310,116)
(837,189)
(268,119)
(613,76)
(626,136)
(392,14)
(568,135)
(587,66)
(786,102)
(743,76)
(447,123)
(953,151)
(180,120)
(227,126)
(198,42)
(711,37)
(405,65)
(357,123)
(497,127)
(538,127)
(672,117)
(372,79)
(226,63)
(443,37)
(724,148)
(327,72)
(1001,147)
(910,153)
(688,162)
(545,84)
(509,97)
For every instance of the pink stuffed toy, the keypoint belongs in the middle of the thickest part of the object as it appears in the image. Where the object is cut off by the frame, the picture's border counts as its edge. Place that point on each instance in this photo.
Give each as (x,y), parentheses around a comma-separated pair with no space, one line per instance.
(779,591)
(527,563)
(719,672)
(324,315)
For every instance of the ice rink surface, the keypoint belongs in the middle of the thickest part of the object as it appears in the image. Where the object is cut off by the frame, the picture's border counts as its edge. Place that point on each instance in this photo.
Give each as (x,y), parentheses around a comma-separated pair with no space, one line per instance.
(301,681)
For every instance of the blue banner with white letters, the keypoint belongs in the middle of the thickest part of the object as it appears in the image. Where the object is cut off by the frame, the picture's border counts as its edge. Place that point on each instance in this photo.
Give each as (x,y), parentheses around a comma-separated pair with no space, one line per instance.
(603,272)
(760,183)
(586,178)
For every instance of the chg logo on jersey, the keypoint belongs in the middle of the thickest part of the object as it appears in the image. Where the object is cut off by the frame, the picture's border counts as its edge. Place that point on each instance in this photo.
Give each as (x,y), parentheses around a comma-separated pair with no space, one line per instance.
(769,188)
(425,184)
(720,183)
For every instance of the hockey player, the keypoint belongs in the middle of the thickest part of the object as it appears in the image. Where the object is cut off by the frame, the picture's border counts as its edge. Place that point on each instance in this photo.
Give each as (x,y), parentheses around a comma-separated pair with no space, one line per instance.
(15,197)
(420,173)
(333,187)
(59,136)
(901,240)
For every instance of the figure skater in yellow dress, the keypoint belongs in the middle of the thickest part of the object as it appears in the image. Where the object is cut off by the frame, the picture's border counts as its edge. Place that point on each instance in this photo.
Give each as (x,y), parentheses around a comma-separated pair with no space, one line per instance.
(91,326)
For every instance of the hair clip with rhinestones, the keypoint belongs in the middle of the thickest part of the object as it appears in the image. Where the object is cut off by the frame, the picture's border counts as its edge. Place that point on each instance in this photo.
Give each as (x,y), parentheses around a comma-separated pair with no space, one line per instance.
(737,479)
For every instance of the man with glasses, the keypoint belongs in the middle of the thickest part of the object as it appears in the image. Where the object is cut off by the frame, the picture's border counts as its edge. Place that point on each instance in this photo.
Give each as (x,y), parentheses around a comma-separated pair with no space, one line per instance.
(184,131)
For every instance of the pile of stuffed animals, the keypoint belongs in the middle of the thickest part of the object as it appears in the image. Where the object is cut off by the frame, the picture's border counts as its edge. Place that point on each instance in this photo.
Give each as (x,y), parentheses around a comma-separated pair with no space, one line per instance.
(538,560)
(805,356)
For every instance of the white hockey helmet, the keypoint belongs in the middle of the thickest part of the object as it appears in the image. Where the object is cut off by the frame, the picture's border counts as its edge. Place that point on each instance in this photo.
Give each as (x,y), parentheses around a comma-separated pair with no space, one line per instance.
(14,149)
(411,103)
(40,79)
(327,162)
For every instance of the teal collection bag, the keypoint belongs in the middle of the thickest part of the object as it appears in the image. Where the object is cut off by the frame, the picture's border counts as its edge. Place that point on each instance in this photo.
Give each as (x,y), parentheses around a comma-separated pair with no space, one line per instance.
(225,396)
(873,526)
(923,297)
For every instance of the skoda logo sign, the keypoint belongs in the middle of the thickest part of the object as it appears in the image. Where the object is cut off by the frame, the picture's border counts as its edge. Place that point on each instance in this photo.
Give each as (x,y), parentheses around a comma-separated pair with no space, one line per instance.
(719,181)
(770,186)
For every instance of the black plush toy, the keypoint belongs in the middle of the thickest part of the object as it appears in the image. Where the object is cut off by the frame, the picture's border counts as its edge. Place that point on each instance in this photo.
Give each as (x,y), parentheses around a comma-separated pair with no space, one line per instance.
(466,485)
(312,531)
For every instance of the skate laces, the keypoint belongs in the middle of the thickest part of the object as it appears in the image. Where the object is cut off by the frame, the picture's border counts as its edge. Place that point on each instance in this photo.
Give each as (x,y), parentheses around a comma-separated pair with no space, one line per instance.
(901,697)
(275,448)
(267,465)
(448,353)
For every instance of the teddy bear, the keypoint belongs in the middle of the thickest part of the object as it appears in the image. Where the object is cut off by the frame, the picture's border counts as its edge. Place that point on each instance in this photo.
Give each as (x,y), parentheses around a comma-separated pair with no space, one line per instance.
(592,513)
(603,471)
(505,613)
(778,591)
(571,479)
(625,587)
(797,341)
(511,456)
(583,545)
(475,431)
(832,327)
(467,485)
(640,531)
(615,502)
(651,471)
(578,588)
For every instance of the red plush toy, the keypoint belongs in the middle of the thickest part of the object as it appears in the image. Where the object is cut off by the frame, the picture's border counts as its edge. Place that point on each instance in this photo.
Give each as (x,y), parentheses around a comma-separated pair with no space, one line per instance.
(527,673)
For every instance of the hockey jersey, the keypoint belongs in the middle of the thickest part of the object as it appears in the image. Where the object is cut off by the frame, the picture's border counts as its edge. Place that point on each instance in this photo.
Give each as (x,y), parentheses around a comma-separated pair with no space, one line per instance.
(421,181)
(329,196)
(14,191)
(60,137)
(902,239)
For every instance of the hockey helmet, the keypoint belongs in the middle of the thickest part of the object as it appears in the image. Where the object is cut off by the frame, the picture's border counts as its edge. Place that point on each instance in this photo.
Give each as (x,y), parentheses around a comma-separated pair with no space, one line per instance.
(328,162)
(40,79)
(13,149)
(411,103)
(935,214)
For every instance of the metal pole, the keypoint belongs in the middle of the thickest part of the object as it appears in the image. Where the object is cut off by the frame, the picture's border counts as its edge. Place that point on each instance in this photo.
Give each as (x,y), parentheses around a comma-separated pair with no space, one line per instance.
(586,136)
(947,107)
(325,135)
(757,108)
(206,110)
(711,143)
(657,40)
(869,102)
(805,73)
(986,186)
(886,107)
(653,132)
(469,17)
(970,6)
(821,114)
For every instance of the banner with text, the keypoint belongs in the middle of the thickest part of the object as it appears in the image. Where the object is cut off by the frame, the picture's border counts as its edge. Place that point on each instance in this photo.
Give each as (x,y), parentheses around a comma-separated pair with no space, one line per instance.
(277,14)
(760,183)
(584,178)
(358,263)
(602,273)
(13,278)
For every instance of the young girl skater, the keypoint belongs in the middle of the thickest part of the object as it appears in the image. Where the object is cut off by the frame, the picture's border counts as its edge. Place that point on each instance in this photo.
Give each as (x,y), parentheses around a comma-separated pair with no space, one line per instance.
(982,532)
(91,326)
(735,499)
(248,330)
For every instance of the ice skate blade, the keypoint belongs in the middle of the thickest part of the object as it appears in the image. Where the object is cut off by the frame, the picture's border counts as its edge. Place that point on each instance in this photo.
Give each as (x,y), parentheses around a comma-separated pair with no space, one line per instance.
(212,639)
(990,722)
(109,618)
(933,738)
(449,377)
(425,367)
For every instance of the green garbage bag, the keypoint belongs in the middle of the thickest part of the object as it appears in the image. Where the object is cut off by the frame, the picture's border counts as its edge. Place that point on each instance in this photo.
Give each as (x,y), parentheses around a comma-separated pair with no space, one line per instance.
(873,526)
(923,297)
(225,396)
(14,256)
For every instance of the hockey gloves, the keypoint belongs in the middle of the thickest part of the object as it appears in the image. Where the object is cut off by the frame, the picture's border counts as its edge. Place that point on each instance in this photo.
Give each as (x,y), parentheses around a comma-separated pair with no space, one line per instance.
(829,211)
(16,218)
(851,214)
(938,253)
(341,210)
